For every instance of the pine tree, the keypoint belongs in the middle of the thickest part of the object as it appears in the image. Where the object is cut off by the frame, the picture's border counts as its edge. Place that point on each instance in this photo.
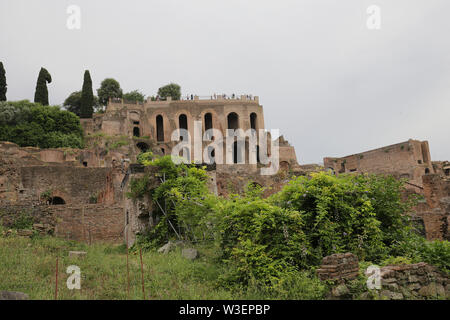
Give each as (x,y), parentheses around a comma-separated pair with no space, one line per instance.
(2,83)
(87,97)
(41,94)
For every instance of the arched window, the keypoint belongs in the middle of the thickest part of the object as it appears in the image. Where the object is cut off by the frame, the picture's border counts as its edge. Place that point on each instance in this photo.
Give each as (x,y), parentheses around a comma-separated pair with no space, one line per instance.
(253,117)
(56,201)
(136,132)
(208,121)
(143,146)
(159,128)
(182,121)
(427,171)
(233,121)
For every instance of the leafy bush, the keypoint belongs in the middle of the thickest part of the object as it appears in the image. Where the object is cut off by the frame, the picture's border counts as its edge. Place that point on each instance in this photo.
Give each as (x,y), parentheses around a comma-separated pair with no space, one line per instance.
(260,240)
(184,195)
(338,214)
(436,253)
(31,124)
(23,221)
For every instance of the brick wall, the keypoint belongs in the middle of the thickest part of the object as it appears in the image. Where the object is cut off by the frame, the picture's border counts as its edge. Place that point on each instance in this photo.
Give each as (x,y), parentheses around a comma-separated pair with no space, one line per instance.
(90,223)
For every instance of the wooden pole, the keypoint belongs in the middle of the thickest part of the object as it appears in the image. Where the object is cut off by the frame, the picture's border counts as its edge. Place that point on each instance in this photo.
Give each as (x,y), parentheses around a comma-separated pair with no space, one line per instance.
(128,272)
(142,273)
(56,278)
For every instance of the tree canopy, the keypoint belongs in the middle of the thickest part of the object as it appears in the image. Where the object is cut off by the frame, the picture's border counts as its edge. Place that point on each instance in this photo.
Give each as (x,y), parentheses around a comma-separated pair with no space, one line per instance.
(171,90)
(109,88)
(87,97)
(31,124)
(3,86)
(134,96)
(73,103)
(41,94)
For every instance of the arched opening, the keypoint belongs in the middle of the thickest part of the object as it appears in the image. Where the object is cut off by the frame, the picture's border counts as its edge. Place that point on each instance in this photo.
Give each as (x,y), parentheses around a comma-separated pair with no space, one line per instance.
(143,146)
(182,121)
(284,166)
(136,132)
(159,128)
(208,121)
(427,171)
(253,117)
(233,121)
(447,172)
(163,151)
(56,201)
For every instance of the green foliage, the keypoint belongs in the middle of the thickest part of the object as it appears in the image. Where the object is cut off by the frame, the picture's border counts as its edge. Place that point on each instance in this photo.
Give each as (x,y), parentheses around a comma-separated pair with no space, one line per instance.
(3,85)
(109,88)
(338,214)
(171,90)
(436,253)
(145,157)
(30,124)
(139,187)
(23,221)
(183,196)
(134,96)
(418,249)
(41,94)
(87,97)
(73,103)
(260,240)
(396,261)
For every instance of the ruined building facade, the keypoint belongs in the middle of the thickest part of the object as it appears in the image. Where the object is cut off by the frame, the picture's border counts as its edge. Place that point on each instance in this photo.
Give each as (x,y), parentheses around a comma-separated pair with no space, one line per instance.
(409,160)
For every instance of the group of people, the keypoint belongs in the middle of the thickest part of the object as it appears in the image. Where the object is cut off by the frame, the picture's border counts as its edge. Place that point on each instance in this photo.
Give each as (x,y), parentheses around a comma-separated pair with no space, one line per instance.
(224,96)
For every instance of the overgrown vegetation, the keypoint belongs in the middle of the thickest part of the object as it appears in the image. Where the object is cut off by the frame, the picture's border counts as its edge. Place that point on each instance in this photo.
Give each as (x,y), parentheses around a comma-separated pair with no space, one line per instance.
(31,124)
(269,243)
(28,265)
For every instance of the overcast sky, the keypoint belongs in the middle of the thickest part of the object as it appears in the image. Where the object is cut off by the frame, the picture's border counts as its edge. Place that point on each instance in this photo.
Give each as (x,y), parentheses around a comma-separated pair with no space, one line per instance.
(332,86)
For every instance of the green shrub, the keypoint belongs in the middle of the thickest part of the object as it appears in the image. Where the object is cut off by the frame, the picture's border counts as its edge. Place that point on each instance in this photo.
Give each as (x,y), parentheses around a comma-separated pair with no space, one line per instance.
(338,215)
(31,124)
(23,221)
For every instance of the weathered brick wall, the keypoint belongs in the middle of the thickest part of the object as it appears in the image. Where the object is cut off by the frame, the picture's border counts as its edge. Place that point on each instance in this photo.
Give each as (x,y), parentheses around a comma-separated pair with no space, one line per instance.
(339,266)
(73,184)
(435,212)
(89,223)
(410,159)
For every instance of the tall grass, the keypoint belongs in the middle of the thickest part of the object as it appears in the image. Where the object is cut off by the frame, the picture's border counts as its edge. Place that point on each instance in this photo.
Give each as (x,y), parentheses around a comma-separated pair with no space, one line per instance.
(28,265)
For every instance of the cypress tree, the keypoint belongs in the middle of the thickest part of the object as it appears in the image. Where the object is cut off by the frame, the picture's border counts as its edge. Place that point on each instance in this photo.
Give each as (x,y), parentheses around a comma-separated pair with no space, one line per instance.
(87,97)
(41,94)
(2,83)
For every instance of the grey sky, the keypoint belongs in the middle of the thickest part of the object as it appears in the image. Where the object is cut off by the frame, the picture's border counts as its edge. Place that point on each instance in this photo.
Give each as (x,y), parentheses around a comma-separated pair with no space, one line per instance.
(330,85)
